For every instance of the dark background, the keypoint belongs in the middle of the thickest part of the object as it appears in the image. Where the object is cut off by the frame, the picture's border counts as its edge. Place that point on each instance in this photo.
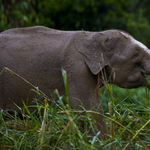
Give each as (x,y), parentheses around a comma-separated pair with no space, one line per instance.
(132,16)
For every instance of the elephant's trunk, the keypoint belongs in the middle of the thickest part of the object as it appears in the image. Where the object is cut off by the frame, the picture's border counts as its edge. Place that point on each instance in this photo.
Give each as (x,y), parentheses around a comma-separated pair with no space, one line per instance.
(146,68)
(147,84)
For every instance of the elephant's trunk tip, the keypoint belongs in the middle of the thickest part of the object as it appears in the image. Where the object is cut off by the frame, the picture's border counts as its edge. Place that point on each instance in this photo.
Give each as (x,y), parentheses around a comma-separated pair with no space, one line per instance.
(147,84)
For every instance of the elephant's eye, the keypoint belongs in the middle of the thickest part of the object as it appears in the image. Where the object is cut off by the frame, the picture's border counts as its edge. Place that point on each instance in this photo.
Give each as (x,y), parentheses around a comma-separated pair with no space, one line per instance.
(135,57)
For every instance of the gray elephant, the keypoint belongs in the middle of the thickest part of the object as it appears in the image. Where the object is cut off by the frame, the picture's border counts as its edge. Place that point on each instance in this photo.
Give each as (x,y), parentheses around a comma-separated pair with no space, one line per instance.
(90,59)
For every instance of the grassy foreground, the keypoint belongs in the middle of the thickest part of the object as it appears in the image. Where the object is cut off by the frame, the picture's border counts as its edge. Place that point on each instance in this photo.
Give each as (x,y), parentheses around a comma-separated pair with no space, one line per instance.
(127,114)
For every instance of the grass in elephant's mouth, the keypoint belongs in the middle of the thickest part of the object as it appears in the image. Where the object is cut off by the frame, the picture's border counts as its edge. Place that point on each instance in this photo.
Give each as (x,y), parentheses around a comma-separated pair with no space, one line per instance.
(60,127)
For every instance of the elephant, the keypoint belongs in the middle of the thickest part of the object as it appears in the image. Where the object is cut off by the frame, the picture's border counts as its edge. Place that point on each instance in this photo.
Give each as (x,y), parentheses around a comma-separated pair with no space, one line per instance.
(91,59)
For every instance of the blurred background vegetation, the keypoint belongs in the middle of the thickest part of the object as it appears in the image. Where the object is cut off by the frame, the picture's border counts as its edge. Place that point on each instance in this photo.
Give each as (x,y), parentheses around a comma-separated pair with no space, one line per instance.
(92,15)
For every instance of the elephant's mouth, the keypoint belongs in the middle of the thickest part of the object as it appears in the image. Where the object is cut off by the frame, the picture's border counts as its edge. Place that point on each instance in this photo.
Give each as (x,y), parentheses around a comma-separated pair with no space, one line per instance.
(139,80)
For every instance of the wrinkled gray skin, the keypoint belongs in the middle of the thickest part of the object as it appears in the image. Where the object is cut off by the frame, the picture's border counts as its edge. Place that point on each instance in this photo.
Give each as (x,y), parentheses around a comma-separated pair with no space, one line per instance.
(38,53)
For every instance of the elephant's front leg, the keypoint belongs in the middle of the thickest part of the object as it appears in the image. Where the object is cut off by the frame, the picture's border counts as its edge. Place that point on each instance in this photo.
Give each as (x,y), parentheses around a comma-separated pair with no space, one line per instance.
(94,105)
(84,89)
(101,123)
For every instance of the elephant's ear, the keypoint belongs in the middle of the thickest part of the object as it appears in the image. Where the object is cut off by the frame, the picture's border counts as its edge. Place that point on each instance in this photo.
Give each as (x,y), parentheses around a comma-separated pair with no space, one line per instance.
(96,50)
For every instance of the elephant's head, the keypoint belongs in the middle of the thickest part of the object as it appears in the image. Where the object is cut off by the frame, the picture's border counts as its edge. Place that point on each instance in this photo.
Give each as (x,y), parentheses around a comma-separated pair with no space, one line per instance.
(117,54)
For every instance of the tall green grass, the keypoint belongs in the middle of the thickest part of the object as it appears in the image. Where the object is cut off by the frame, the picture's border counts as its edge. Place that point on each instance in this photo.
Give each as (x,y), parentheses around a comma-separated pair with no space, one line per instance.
(59,127)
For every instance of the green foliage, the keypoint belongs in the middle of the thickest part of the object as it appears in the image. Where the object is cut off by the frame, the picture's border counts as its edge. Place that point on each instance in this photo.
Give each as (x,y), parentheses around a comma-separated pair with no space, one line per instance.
(130,109)
(16,13)
(61,127)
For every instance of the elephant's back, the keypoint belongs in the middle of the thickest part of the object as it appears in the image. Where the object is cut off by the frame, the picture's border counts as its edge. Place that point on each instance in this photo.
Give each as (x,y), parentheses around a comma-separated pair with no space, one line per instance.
(31,37)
